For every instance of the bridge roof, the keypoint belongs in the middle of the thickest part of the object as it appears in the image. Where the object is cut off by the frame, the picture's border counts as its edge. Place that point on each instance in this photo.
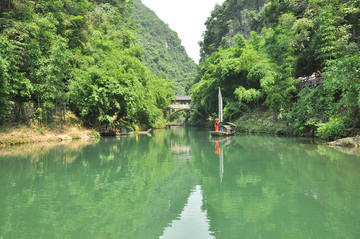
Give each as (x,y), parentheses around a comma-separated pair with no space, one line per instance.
(182,98)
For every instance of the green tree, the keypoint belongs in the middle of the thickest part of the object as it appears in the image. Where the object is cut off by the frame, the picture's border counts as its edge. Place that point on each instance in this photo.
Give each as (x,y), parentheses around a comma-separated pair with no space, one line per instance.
(80,54)
(15,87)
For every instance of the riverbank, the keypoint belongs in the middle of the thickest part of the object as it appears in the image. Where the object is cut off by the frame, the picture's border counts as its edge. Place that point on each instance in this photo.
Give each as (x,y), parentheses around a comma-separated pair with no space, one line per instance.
(264,122)
(58,131)
(23,134)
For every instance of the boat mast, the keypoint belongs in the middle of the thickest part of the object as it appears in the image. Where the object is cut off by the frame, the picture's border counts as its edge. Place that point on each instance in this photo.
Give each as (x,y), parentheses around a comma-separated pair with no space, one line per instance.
(220,106)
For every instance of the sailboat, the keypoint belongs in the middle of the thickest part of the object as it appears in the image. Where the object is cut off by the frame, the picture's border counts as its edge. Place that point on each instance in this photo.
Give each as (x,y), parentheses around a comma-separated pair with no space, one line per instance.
(222,128)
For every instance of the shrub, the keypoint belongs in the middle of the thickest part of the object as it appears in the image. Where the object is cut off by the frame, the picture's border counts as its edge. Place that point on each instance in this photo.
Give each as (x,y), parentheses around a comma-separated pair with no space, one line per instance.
(334,128)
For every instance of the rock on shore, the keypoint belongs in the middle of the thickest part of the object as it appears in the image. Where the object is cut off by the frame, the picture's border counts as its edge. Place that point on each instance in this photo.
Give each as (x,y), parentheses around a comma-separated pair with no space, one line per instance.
(346,142)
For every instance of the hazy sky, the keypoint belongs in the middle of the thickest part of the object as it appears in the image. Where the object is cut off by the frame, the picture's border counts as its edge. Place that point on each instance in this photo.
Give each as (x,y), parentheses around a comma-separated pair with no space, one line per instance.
(187,18)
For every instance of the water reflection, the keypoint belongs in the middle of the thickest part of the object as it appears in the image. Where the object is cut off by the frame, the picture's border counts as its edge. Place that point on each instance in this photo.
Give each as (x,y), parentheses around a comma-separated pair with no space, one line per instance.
(117,188)
(193,222)
(220,143)
(145,187)
(37,150)
(280,188)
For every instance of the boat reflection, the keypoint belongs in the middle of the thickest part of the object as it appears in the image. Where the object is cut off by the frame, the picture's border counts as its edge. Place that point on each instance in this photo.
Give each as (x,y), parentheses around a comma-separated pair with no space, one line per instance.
(219,150)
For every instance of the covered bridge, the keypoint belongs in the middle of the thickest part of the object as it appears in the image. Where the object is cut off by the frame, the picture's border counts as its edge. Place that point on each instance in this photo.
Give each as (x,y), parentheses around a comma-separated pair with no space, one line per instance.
(182,100)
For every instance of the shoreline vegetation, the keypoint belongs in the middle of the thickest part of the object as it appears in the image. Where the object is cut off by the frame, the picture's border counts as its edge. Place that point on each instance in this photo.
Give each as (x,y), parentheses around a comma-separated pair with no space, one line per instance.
(80,56)
(284,67)
(66,131)
(85,57)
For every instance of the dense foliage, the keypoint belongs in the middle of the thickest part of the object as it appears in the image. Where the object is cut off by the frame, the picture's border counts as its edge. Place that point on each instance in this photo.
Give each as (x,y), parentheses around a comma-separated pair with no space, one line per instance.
(80,55)
(258,70)
(231,18)
(163,52)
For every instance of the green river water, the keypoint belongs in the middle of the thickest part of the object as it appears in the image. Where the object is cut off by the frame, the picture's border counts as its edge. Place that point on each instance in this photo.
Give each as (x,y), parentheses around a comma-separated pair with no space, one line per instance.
(180,183)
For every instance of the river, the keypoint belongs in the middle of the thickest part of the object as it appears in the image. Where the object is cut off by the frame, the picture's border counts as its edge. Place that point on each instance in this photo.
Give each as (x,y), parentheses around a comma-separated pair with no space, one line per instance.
(180,183)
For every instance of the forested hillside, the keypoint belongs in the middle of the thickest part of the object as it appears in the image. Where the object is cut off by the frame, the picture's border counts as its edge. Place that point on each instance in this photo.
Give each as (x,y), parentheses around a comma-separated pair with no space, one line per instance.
(162,49)
(258,70)
(80,55)
(227,20)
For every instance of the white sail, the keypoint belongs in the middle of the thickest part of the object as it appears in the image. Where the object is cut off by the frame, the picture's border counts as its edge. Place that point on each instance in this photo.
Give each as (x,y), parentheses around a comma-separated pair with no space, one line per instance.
(220,106)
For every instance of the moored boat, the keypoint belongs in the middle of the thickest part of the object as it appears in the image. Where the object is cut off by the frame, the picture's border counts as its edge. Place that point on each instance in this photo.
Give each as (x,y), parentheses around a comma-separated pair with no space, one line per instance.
(225,130)
(221,128)
(108,133)
(220,134)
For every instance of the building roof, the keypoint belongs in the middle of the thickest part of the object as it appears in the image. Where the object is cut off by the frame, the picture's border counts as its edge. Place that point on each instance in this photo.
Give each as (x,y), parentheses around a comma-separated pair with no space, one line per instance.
(182,98)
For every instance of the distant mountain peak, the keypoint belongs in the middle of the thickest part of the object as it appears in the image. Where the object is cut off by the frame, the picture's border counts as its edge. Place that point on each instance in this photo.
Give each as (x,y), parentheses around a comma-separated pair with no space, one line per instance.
(163,53)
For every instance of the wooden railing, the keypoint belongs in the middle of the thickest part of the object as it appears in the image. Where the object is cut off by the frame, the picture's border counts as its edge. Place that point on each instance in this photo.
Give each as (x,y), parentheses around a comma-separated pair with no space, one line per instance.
(309,81)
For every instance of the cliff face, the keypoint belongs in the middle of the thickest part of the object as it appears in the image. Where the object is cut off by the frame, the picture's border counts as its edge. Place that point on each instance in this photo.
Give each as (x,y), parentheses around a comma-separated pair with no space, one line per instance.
(163,53)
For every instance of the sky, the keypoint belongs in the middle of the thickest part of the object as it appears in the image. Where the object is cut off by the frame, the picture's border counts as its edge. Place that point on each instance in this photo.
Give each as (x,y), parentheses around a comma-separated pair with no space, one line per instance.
(193,221)
(187,18)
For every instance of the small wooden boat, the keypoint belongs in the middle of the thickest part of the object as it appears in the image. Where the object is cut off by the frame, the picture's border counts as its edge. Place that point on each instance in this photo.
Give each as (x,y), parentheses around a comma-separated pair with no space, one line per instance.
(220,134)
(134,132)
(108,133)
(123,134)
(226,130)
(143,132)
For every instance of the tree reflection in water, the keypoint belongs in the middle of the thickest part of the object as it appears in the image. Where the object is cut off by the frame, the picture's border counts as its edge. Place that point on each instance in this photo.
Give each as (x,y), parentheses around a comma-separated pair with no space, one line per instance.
(261,187)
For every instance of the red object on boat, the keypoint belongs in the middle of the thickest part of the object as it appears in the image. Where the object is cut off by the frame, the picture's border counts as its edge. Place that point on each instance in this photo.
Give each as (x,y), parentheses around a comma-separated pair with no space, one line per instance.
(217,124)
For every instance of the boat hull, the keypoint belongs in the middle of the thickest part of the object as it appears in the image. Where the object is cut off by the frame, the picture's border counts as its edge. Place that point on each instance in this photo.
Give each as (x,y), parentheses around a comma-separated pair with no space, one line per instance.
(220,134)
(108,133)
